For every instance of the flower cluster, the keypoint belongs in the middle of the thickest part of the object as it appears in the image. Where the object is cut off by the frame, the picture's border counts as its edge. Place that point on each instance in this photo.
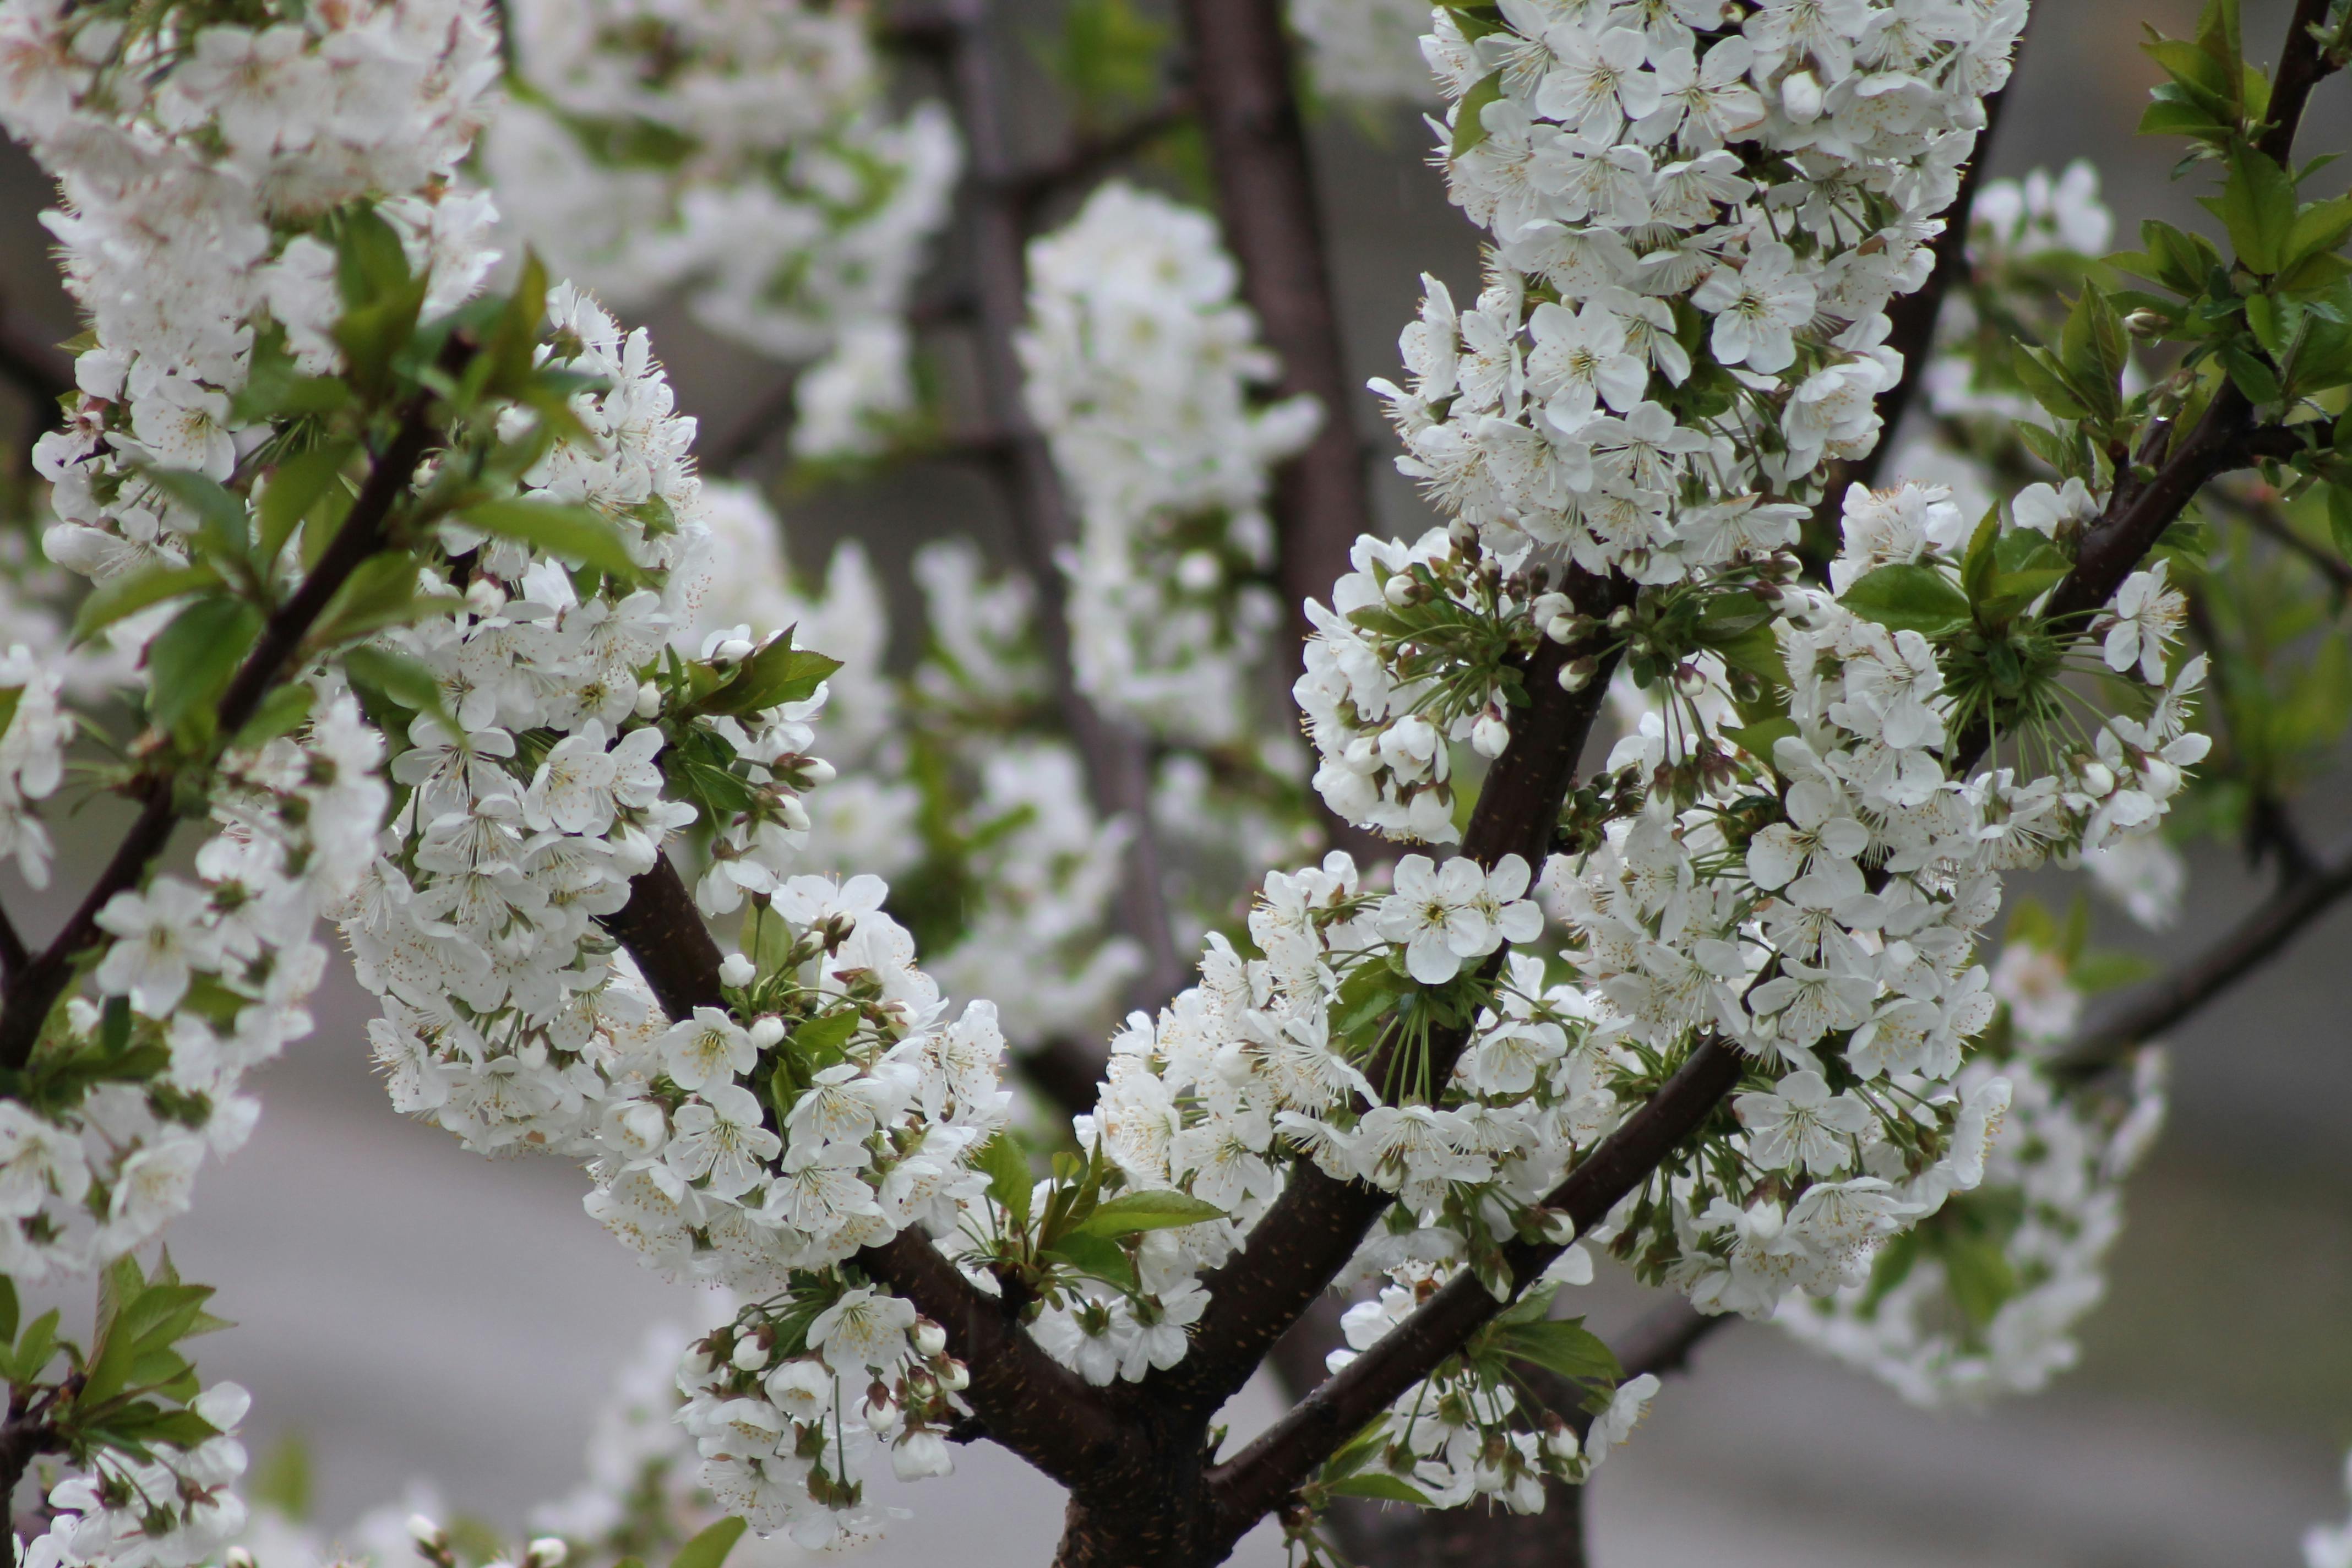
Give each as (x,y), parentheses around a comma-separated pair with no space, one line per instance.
(786,1404)
(172,1509)
(744,153)
(194,160)
(1699,214)
(33,740)
(1140,365)
(1983,1295)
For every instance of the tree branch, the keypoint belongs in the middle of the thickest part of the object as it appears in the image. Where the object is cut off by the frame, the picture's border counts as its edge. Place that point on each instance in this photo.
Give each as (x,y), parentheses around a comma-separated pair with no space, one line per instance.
(35,986)
(1295,1251)
(1087,158)
(2186,987)
(1258,1478)
(1024,1399)
(1117,761)
(1244,79)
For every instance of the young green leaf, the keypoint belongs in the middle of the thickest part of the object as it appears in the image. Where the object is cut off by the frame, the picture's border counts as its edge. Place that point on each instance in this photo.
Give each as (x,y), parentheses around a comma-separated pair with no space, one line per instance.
(575,533)
(1563,1345)
(293,488)
(135,590)
(1382,1486)
(1009,1181)
(191,661)
(1908,596)
(1130,1213)
(777,674)
(709,1549)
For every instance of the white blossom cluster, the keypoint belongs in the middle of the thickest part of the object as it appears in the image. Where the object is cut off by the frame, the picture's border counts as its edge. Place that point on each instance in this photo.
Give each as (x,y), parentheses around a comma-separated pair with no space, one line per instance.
(743,154)
(1365,51)
(1139,369)
(1985,1299)
(1443,1433)
(1700,211)
(32,741)
(192,158)
(173,1510)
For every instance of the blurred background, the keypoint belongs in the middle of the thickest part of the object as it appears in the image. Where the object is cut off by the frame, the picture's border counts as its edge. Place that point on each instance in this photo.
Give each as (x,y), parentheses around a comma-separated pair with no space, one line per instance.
(412,1312)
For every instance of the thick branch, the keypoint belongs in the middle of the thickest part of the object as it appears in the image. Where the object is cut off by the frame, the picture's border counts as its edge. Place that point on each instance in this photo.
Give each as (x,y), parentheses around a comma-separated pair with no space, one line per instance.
(1024,1399)
(1117,759)
(1295,1251)
(35,986)
(1262,1475)
(2188,986)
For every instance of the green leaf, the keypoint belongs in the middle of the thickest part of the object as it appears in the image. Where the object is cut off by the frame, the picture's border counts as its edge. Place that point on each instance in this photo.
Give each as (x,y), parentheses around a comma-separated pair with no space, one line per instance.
(279,714)
(1908,596)
(2249,374)
(1132,1212)
(8,1311)
(1759,739)
(2318,227)
(402,679)
(1009,1181)
(223,528)
(381,591)
(818,1041)
(2047,379)
(709,1549)
(1381,1486)
(191,661)
(293,488)
(2093,348)
(130,592)
(1097,1255)
(575,533)
(2339,519)
(2257,207)
(1469,120)
(778,673)
(1563,1345)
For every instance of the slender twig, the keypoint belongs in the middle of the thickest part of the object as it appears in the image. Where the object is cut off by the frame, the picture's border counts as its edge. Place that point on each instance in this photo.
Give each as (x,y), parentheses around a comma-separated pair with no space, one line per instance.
(2186,986)
(34,986)
(2264,520)
(1117,761)
(12,947)
(1089,157)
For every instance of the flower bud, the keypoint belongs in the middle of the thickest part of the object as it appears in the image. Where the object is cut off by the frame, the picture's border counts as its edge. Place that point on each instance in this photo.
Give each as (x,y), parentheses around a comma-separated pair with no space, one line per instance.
(643,1128)
(817,771)
(956,1379)
(734,650)
(546,1551)
(2143,323)
(1578,673)
(767,1032)
(648,699)
(749,1355)
(737,970)
(238,1557)
(2099,780)
(1800,97)
(1621,617)
(427,1533)
(929,1339)
(1399,590)
(1490,736)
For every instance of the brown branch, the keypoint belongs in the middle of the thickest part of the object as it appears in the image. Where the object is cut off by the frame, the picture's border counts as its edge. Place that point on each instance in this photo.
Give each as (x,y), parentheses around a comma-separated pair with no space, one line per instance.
(1294,1252)
(42,374)
(1117,761)
(1258,1479)
(12,953)
(1089,158)
(2188,986)
(1023,1399)
(35,986)
(1244,75)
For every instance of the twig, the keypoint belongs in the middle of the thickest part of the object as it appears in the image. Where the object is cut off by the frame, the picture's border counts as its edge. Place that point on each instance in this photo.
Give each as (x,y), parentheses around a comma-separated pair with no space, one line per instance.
(1089,157)
(34,986)
(12,947)
(2149,1012)
(1118,763)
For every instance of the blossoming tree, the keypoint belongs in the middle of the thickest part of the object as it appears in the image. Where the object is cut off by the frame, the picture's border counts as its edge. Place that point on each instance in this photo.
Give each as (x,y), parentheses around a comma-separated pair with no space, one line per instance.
(391,571)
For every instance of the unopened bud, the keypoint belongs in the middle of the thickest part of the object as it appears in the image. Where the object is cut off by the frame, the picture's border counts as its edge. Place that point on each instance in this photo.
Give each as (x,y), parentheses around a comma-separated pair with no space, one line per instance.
(1576,673)
(1800,97)
(955,1379)
(1566,628)
(238,1557)
(737,970)
(749,1355)
(734,650)
(1621,617)
(427,1533)
(648,699)
(818,772)
(929,1339)
(1398,590)
(767,1030)
(2145,323)
(546,1551)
